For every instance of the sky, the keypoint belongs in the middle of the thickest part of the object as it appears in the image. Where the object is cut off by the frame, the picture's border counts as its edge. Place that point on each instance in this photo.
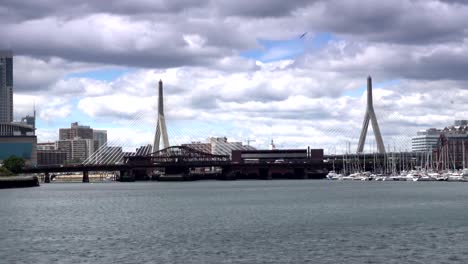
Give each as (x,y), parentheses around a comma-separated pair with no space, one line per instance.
(240,69)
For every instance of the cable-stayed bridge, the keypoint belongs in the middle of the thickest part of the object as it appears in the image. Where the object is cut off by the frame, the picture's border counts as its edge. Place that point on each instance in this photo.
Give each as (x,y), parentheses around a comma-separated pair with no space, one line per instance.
(179,155)
(181,161)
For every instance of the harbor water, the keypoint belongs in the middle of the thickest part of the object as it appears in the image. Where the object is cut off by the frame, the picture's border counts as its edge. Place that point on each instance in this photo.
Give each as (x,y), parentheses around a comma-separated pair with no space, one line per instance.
(283,221)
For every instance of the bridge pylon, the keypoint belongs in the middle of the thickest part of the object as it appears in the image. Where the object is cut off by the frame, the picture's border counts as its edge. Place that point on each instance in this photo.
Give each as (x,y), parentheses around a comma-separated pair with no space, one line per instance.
(161,129)
(370,117)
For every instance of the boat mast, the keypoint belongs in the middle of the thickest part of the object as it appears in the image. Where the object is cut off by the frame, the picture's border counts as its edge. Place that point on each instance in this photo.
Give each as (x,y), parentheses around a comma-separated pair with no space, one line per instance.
(463,146)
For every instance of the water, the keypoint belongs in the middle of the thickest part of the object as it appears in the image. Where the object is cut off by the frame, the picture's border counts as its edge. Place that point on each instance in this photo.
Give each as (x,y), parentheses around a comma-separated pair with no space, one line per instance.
(236,222)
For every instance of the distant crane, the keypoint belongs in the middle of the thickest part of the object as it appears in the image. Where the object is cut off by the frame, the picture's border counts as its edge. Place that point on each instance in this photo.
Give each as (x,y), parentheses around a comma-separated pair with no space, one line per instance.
(250,140)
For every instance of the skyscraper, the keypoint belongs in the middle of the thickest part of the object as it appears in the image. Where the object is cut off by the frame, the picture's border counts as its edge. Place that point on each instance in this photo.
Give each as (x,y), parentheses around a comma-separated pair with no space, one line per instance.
(76,131)
(16,138)
(6,86)
(100,136)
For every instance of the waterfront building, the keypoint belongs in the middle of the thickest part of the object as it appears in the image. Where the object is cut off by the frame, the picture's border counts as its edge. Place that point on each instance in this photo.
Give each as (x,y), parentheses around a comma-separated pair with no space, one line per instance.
(278,156)
(221,146)
(197,145)
(20,146)
(107,155)
(100,136)
(51,157)
(429,139)
(144,150)
(448,146)
(16,129)
(78,149)
(16,138)
(80,142)
(6,86)
(461,123)
(217,146)
(47,146)
(425,140)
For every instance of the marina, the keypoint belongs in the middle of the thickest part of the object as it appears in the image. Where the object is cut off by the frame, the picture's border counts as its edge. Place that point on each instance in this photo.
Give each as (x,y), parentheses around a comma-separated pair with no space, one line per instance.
(437,165)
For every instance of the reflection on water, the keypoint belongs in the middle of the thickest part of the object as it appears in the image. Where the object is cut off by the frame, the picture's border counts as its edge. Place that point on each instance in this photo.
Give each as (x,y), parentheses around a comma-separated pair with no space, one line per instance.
(235,222)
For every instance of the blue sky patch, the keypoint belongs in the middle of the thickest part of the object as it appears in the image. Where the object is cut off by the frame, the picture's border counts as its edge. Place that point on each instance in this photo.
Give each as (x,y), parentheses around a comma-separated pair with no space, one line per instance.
(107,74)
(358,92)
(274,50)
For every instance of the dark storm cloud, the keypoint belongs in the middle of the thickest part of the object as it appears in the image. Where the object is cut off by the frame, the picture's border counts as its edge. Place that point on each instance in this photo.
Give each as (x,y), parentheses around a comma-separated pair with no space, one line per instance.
(398,21)
(260,8)
(438,64)
(168,33)
(33,9)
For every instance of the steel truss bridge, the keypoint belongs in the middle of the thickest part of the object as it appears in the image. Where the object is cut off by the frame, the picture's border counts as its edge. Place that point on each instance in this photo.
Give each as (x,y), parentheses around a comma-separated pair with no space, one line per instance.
(185,163)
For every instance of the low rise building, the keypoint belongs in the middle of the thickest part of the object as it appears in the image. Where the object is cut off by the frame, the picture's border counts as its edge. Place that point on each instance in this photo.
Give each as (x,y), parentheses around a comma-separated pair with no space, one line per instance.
(47,146)
(278,156)
(51,157)
(221,146)
(449,146)
(203,147)
(426,140)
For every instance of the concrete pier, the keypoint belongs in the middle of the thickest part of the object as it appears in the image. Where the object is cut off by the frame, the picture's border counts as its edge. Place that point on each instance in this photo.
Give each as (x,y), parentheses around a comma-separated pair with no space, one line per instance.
(47,177)
(85,176)
(19,181)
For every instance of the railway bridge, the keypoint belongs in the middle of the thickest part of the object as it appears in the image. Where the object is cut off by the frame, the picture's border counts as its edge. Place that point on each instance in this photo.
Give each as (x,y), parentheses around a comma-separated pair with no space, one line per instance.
(185,163)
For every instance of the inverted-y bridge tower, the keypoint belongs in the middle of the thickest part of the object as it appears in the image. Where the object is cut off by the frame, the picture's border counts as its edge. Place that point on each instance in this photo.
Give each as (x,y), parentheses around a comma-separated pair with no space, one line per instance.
(161,130)
(370,116)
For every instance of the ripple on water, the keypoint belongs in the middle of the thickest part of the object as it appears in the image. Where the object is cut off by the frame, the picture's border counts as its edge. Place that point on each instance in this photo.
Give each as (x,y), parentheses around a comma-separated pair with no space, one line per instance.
(235,222)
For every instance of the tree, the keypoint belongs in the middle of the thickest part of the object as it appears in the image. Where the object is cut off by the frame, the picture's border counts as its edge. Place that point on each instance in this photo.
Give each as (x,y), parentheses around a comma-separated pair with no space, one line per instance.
(5,172)
(14,164)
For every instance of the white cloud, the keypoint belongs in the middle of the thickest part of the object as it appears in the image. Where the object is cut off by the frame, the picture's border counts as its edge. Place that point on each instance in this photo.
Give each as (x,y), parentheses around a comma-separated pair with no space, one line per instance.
(194,48)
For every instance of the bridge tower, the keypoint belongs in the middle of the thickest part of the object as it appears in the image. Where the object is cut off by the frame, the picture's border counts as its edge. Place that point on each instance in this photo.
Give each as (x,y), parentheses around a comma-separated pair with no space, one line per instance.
(161,130)
(370,116)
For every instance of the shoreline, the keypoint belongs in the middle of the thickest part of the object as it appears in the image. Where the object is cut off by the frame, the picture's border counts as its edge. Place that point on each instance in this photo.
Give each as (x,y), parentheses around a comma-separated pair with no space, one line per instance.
(18,182)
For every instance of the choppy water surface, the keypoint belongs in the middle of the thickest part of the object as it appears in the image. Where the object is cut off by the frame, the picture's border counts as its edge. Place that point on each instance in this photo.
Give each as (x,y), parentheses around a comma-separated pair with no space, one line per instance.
(236,222)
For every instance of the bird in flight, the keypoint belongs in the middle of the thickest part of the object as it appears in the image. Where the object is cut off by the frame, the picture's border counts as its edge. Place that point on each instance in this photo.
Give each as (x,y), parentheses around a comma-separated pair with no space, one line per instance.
(303,35)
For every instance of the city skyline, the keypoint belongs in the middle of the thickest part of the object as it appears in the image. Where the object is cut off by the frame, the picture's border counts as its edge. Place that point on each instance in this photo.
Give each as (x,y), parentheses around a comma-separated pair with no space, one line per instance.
(243,72)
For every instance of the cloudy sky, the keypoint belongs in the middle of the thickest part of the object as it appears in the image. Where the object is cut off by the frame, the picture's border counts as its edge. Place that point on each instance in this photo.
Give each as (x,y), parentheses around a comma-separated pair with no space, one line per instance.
(240,68)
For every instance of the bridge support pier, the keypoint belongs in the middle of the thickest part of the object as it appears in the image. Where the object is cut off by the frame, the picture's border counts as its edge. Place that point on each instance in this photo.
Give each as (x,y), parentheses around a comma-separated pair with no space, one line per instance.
(46,177)
(228,174)
(264,174)
(300,173)
(85,176)
(127,176)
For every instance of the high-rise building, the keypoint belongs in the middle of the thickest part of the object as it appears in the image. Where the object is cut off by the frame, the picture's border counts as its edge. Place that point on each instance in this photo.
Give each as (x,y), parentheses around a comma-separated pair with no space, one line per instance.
(16,138)
(6,86)
(80,142)
(100,136)
(78,150)
(75,131)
